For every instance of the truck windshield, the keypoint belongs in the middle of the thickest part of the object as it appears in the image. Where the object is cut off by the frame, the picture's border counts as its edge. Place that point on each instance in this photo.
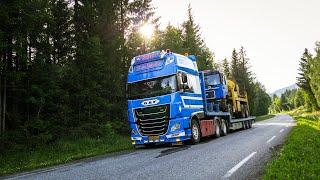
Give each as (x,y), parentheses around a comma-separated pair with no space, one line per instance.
(212,80)
(152,87)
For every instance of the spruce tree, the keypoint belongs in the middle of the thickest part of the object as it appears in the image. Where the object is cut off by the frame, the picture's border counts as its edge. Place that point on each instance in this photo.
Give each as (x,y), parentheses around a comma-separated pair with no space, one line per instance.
(234,65)
(303,80)
(194,44)
(226,68)
(315,74)
(173,39)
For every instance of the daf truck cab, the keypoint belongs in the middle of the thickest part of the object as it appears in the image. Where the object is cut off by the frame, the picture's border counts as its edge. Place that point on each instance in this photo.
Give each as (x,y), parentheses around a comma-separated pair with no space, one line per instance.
(164,95)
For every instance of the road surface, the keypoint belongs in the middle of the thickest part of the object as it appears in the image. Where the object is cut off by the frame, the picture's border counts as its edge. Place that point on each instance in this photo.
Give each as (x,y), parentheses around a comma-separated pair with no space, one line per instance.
(239,155)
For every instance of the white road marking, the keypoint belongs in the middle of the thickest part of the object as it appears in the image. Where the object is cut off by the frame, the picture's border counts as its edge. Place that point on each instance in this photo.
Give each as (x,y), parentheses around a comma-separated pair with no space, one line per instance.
(281,130)
(236,167)
(271,139)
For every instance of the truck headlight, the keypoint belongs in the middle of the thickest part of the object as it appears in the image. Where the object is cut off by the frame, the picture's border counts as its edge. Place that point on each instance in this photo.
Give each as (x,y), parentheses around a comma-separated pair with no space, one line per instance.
(175,126)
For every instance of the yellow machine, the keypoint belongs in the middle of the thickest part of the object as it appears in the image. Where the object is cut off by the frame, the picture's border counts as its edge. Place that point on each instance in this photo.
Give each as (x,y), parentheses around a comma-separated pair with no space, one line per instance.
(238,102)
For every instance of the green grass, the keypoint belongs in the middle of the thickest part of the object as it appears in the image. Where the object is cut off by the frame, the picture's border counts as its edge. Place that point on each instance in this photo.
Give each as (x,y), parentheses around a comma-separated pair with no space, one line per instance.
(61,152)
(300,156)
(264,117)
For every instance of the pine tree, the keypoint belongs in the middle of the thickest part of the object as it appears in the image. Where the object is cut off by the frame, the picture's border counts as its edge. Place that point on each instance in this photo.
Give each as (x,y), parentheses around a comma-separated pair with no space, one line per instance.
(60,31)
(194,44)
(261,100)
(315,74)
(234,65)
(303,81)
(173,39)
(192,37)
(298,99)
(226,68)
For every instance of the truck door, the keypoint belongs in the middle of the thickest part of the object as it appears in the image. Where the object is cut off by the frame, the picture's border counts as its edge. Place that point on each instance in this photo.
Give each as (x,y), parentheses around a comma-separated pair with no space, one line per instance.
(191,95)
(224,86)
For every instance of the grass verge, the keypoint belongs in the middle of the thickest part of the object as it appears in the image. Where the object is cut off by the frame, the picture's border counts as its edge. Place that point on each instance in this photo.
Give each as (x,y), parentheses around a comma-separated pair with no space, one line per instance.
(61,152)
(299,157)
(264,117)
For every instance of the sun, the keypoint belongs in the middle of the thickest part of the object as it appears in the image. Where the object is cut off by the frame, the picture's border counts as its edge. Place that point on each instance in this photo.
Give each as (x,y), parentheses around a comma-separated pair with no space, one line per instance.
(147,31)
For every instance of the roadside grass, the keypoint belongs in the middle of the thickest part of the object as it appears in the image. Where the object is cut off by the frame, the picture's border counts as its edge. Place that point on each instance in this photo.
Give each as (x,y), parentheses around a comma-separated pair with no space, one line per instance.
(300,156)
(65,150)
(264,117)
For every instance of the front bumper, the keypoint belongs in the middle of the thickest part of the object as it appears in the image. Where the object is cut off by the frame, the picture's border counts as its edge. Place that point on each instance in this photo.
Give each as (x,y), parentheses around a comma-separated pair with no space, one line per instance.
(182,134)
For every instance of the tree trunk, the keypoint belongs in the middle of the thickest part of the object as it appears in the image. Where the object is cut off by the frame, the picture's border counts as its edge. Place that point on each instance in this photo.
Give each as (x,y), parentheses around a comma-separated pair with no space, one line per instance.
(1,104)
(4,105)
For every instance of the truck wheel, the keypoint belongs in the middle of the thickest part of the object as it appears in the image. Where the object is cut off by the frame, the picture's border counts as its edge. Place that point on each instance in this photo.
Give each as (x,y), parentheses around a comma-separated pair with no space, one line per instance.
(250,123)
(195,132)
(244,125)
(217,128)
(224,129)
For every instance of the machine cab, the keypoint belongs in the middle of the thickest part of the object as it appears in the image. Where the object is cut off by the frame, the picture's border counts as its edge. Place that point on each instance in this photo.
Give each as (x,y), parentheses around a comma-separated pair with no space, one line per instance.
(216,89)
(215,85)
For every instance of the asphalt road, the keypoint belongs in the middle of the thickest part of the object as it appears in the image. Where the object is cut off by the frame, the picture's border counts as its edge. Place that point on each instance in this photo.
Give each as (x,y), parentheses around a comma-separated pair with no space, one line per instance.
(239,155)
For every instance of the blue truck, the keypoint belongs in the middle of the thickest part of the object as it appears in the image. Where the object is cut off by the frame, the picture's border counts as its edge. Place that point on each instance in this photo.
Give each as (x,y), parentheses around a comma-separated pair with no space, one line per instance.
(170,101)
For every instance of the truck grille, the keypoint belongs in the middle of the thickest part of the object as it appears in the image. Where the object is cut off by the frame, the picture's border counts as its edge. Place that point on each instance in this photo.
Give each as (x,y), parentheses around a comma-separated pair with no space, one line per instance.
(153,120)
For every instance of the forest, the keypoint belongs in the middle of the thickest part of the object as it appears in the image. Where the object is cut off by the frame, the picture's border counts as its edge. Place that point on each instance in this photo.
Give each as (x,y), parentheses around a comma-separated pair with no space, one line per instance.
(307,96)
(63,66)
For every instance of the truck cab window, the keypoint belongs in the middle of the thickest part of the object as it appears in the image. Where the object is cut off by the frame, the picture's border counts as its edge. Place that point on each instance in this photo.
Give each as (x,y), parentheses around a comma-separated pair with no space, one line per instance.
(212,80)
(194,84)
(152,87)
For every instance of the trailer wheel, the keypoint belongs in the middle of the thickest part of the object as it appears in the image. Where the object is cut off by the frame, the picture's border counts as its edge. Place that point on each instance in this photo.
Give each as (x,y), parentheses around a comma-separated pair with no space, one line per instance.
(244,125)
(250,123)
(195,132)
(217,128)
(224,130)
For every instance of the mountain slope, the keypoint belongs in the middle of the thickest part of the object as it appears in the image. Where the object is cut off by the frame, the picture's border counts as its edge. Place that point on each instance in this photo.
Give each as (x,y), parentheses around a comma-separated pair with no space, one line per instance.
(282,90)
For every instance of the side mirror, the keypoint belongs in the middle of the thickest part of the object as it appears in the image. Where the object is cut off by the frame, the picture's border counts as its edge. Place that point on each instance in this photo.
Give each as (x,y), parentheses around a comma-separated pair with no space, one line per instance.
(182,81)
(184,78)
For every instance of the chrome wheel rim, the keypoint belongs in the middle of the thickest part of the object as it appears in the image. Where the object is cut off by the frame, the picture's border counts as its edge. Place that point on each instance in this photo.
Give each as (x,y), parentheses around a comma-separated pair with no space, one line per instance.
(195,132)
(217,129)
(224,128)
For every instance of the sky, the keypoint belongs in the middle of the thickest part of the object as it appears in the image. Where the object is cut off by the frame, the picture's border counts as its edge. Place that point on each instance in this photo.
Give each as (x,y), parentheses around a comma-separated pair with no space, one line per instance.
(273,32)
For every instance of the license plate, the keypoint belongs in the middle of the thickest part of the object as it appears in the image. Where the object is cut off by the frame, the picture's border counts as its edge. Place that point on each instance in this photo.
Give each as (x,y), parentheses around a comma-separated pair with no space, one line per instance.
(153,138)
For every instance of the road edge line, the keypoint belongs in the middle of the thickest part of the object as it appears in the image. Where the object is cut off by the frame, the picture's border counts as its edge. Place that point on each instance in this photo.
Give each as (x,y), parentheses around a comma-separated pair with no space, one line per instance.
(236,167)
(271,139)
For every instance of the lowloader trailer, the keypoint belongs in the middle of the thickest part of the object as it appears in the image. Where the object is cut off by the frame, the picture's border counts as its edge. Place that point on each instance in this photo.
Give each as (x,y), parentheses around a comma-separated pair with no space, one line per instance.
(170,101)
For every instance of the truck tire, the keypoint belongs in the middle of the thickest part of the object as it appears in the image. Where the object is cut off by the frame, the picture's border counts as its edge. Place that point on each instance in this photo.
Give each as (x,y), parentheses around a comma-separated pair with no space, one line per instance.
(195,132)
(224,128)
(244,125)
(250,124)
(217,128)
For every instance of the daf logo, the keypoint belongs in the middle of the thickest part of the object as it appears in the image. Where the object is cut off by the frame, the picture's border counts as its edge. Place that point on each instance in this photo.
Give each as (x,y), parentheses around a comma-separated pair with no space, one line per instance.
(150,102)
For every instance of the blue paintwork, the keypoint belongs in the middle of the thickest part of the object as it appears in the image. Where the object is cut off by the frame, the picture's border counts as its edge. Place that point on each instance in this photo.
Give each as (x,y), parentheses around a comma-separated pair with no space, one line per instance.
(182,104)
(220,91)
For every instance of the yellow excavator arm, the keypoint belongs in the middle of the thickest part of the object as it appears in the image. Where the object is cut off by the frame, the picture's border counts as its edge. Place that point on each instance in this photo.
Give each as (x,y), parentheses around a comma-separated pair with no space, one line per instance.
(239,102)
